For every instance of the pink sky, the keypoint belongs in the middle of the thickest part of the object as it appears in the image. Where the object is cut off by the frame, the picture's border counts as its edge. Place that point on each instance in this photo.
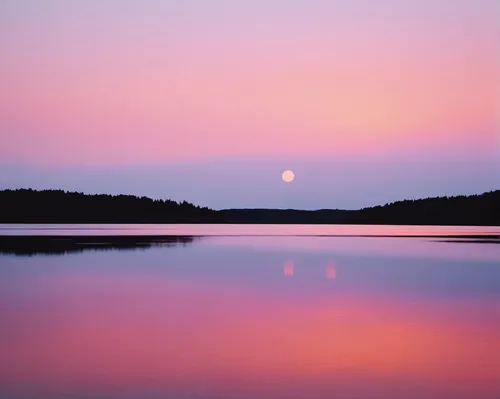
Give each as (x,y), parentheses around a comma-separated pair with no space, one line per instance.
(86,84)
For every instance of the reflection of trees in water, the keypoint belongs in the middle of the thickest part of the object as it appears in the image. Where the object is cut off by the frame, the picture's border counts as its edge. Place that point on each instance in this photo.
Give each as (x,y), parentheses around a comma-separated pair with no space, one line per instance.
(50,245)
(330,270)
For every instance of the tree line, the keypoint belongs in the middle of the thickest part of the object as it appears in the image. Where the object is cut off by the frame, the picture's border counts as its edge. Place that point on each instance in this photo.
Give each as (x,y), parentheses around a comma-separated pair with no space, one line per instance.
(58,206)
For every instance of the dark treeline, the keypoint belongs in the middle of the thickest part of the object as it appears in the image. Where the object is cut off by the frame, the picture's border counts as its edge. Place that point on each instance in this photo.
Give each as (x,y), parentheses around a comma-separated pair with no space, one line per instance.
(479,210)
(57,206)
(288,216)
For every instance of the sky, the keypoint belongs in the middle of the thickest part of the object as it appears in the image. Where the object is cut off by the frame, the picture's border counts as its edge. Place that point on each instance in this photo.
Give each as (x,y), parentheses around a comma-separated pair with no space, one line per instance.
(367,101)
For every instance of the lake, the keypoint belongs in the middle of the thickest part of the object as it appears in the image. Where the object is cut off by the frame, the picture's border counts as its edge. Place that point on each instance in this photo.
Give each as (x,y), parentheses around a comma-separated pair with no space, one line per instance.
(228,312)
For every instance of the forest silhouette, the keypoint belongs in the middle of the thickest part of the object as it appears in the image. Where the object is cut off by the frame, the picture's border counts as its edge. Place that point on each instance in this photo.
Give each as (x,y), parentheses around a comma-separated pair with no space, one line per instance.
(58,206)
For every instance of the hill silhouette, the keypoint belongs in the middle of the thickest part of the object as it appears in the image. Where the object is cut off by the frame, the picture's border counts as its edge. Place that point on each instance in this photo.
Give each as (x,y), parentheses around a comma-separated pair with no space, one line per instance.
(58,206)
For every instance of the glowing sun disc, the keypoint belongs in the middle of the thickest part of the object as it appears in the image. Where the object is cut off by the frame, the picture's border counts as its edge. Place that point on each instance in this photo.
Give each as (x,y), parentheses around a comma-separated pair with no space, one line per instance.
(288,176)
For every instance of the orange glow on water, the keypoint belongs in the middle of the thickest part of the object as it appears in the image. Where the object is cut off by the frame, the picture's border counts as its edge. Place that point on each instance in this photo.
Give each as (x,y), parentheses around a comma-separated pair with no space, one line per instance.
(177,332)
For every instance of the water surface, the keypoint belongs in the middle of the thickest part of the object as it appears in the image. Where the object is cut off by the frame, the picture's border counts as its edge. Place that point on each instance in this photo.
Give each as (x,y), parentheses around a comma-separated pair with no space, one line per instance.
(244,230)
(254,317)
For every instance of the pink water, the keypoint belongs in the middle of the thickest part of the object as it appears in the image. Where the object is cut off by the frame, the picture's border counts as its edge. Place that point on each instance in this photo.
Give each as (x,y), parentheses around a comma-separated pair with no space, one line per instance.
(255,317)
(242,230)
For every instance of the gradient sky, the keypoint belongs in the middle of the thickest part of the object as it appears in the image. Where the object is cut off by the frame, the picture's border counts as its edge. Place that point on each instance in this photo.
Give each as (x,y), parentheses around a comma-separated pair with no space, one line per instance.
(367,101)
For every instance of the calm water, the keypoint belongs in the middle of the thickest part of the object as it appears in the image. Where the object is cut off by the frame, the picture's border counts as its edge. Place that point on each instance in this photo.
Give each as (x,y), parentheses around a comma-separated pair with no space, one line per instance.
(239,229)
(255,316)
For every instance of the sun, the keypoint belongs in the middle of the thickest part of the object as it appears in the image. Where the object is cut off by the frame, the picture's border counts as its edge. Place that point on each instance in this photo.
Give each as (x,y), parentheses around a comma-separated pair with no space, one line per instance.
(288,176)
